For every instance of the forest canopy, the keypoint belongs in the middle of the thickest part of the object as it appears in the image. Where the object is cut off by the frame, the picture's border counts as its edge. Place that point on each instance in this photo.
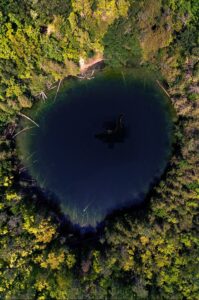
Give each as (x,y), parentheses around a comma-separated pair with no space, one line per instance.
(152,254)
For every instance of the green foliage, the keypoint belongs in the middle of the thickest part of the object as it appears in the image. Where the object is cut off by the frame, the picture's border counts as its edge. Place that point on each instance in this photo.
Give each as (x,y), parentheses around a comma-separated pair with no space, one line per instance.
(152,257)
(48,40)
(124,50)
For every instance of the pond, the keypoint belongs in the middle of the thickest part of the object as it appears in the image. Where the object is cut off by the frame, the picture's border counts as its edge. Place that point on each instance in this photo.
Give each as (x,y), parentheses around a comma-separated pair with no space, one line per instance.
(78,154)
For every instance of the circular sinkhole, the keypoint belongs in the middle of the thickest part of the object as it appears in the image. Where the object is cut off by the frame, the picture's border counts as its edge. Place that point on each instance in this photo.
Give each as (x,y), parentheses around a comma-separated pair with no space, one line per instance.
(101,144)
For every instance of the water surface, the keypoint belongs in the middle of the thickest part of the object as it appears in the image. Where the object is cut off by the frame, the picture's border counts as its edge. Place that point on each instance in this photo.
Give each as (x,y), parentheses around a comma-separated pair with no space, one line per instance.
(90,178)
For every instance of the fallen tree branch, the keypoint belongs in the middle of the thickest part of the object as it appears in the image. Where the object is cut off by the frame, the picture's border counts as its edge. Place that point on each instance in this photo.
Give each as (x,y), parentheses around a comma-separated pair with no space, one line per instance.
(86,76)
(30,156)
(123,77)
(161,86)
(57,90)
(53,87)
(28,118)
(24,129)
(43,96)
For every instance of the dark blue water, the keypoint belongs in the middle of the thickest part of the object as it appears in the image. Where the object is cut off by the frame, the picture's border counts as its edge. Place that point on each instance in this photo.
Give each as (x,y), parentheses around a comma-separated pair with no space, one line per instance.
(89,177)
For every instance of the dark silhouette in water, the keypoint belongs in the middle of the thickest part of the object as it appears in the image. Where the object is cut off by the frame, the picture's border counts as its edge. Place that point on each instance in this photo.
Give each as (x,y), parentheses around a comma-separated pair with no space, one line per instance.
(89,180)
(115,132)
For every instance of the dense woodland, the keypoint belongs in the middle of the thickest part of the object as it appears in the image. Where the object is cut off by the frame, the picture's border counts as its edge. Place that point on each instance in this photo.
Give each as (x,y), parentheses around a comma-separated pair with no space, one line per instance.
(144,254)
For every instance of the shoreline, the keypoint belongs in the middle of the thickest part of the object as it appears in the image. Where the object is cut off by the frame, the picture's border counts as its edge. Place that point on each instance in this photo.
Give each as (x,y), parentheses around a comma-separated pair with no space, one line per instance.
(89,63)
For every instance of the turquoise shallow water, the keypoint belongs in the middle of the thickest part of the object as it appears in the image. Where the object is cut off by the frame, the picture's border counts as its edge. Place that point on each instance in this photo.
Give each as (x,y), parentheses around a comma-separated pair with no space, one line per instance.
(89,178)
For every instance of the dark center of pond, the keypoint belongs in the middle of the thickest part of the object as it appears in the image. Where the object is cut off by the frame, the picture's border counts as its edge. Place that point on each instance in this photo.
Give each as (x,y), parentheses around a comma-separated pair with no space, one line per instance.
(101,145)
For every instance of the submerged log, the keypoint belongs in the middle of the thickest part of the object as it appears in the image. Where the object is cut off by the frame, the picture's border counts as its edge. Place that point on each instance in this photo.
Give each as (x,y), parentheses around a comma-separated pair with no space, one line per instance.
(28,118)
(57,90)
(24,129)
(161,86)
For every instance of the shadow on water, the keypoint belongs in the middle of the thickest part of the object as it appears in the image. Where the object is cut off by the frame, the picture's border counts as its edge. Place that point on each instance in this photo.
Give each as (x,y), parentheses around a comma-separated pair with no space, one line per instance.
(114,132)
(100,148)
(88,237)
